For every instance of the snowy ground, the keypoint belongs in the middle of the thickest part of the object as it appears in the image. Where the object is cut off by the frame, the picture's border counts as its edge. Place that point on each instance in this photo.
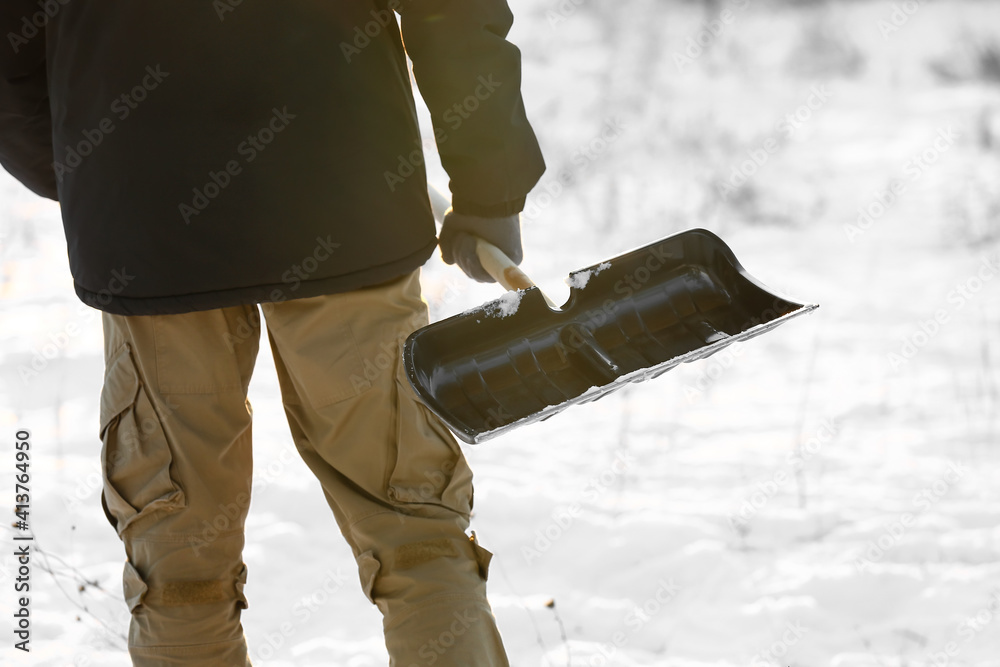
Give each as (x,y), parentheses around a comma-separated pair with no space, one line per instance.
(826,494)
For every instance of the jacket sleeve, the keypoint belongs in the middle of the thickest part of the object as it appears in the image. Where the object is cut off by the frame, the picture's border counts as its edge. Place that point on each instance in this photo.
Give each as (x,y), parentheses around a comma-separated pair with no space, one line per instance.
(470,77)
(25,119)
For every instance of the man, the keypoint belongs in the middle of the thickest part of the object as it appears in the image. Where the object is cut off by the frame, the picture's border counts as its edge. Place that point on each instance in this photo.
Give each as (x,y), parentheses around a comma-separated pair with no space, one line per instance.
(212,156)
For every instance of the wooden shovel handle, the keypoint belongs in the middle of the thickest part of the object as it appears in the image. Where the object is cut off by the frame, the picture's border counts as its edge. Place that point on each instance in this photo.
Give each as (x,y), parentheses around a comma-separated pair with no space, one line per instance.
(500,266)
(496,263)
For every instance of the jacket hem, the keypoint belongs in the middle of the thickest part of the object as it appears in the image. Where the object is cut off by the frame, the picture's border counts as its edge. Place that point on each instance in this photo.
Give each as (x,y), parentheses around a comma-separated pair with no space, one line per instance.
(275,292)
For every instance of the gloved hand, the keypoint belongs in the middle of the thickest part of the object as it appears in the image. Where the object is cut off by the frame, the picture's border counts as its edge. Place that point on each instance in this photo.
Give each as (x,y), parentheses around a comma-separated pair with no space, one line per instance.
(458,241)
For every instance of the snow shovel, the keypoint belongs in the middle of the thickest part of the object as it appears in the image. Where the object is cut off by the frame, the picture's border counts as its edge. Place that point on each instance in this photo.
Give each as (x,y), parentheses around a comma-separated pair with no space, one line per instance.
(519,359)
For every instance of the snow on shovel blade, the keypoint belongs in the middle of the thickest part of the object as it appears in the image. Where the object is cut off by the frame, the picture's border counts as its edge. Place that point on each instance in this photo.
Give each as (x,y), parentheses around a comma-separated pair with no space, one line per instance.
(514,360)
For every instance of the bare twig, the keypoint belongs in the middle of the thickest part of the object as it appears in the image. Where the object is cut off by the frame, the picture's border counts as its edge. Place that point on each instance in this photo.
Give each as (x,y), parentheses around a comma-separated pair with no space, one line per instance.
(82,582)
(800,478)
(503,573)
(551,604)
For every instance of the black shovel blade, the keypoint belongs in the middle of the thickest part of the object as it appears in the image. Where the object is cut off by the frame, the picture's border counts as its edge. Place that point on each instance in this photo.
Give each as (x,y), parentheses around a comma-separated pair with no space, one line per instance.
(629,319)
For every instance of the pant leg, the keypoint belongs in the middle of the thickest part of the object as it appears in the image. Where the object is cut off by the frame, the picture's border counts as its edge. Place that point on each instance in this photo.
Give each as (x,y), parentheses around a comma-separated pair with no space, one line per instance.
(176,455)
(394,476)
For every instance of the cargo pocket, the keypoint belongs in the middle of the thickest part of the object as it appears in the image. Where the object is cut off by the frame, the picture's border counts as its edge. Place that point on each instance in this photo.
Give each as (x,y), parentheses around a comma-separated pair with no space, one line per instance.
(133,586)
(135,455)
(483,557)
(368,567)
(241,582)
(429,465)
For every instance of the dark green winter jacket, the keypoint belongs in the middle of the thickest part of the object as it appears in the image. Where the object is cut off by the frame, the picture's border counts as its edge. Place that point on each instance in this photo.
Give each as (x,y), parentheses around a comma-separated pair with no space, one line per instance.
(212,153)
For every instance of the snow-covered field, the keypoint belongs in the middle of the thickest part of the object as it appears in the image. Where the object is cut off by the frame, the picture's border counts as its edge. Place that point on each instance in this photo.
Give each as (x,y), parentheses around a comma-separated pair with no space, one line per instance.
(827,494)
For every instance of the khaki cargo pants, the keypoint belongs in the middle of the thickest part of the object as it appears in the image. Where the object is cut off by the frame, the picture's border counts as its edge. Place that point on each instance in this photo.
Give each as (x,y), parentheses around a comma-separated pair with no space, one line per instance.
(176,424)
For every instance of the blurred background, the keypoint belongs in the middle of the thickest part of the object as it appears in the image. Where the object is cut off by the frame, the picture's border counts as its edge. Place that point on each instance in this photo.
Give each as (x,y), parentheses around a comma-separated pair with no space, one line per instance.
(827,494)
